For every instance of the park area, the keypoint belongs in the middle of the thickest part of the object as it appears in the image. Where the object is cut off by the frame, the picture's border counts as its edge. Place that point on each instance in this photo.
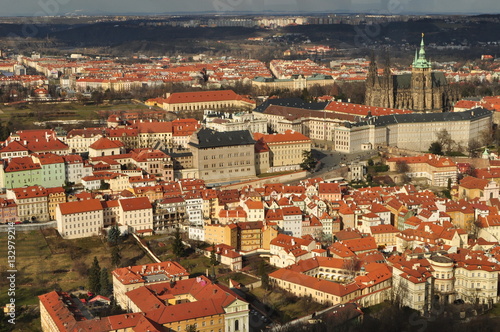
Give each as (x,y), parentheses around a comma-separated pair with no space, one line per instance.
(24,115)
(45,262)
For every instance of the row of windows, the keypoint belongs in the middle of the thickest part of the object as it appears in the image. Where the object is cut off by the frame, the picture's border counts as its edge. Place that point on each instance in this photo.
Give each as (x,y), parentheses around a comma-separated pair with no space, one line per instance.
(92,230)
(230,171)
(82,225)
(229,155)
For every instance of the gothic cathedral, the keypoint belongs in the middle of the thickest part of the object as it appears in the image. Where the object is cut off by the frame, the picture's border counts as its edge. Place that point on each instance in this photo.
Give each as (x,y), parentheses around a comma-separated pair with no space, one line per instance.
(421,91)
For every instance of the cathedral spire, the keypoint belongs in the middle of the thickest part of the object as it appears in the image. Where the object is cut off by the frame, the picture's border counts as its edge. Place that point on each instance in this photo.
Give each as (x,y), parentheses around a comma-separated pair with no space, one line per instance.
(420,60)
(421,54)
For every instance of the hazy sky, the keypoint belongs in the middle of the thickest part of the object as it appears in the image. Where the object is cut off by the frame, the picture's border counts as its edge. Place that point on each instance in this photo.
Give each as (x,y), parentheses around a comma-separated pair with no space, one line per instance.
(62,7)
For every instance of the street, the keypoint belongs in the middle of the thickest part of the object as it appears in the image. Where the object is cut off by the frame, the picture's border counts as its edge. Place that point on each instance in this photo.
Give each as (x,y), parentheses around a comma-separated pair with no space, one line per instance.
(332,160)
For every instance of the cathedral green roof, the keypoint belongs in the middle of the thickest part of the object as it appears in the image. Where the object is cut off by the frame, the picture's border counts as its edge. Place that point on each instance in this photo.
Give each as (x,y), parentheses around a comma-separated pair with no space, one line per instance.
(420,60)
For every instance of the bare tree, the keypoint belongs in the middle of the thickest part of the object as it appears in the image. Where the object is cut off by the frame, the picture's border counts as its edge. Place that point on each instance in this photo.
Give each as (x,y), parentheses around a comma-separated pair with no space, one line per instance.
(402,167)
(399,293)
(486,137)
(473,148)
(444,138)
(351,265)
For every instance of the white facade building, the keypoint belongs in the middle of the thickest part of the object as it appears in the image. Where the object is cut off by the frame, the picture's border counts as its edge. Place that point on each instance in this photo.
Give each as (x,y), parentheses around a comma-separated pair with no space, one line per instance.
(79,219)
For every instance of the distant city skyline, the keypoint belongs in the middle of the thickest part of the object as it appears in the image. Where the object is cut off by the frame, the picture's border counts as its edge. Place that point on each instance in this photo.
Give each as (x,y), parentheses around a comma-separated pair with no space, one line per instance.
(146,7)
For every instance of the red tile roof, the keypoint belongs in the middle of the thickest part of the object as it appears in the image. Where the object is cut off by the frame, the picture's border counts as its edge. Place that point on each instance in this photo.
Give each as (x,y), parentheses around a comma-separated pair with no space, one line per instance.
(105,143)
(153,127)
(45,145)
(49,158)
(20,164)
(321,285)
(134,274)
(286,137)
(80,206)
(329,188)
(30,192)
(471,182)
(14,146)
(382,229)
(202,96)
(132,204)
(433,160)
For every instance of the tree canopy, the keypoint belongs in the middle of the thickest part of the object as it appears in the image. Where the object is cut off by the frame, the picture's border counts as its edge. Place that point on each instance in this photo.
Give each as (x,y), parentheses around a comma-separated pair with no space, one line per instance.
(95,276)
(436,148)
(177,245)
(308,161)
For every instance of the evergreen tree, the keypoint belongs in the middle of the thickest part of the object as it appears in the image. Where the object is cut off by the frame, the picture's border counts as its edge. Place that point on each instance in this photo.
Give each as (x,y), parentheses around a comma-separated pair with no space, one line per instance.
(308,161)
(4,131)
(436,148)
(369,178)
(95,277)
(264,277)
(115,257)
(105,283)
(114,235)
(177,245)
(213,256)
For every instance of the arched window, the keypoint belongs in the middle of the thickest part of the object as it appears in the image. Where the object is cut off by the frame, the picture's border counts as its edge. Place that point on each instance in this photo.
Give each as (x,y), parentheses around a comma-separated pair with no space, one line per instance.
(236,325)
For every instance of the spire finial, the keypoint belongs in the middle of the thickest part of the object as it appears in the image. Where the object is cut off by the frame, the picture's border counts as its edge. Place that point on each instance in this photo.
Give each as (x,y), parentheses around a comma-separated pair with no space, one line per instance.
(420,61)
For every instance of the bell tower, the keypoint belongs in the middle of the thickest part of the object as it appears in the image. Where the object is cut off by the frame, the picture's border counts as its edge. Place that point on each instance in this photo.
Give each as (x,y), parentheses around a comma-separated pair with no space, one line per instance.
(421,81)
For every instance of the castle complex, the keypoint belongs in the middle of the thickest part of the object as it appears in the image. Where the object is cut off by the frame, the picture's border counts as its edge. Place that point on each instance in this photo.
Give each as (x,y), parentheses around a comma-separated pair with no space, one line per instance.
(423,90)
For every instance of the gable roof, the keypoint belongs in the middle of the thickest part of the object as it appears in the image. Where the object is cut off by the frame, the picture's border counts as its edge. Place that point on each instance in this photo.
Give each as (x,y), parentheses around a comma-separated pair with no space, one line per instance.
(80,206)
(104,143)
(138,203)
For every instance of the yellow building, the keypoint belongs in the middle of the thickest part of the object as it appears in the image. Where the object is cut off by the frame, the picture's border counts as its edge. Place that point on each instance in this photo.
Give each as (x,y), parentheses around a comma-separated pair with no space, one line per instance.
(149,133)
(244,236)
(206,100)
(471,188)
(384,235)
(366,290)
(56,197)
(462,214)
(218,233)
(285,150)
(436,169)
(153,193)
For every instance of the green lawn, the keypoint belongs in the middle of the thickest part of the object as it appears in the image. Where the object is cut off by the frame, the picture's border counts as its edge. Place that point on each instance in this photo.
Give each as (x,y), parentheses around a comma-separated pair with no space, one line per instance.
(495,311)
(41,271)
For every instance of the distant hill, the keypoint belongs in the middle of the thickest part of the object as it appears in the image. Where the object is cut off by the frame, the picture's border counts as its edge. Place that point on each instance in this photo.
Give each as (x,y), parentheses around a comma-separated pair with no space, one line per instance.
(139,34)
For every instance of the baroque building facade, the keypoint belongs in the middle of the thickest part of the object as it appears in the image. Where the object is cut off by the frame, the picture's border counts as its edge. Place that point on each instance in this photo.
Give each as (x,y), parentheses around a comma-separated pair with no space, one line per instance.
(421,90)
